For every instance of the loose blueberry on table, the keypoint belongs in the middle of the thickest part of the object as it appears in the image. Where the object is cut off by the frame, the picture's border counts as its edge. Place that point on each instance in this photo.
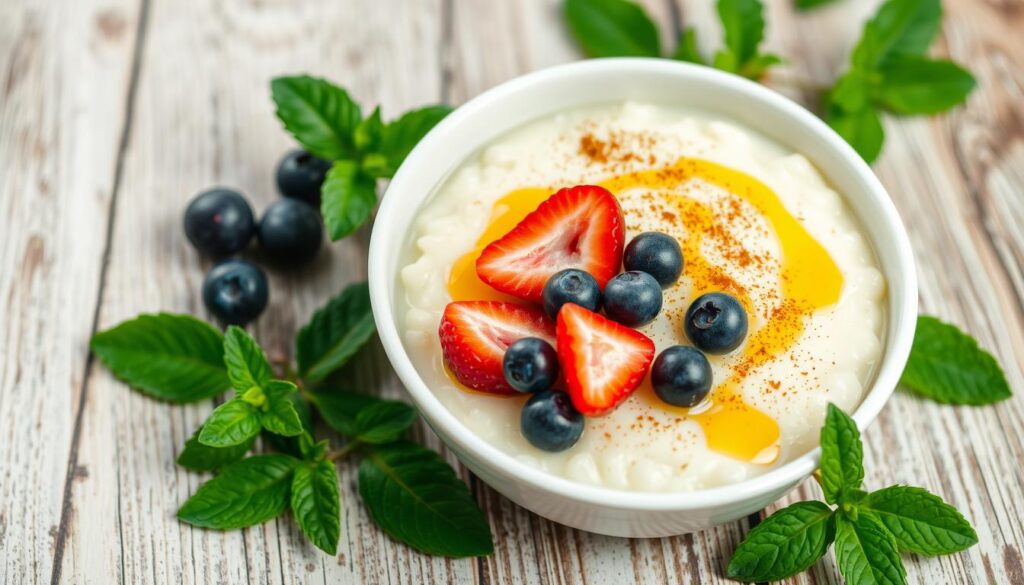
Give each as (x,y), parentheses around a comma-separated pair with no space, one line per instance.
(530,365)
(716,323)
(632,298)
(235,292)
(656,254)
(300,176)
(549,421)
(219,222)
(290,231)
(571,286)
(681,376)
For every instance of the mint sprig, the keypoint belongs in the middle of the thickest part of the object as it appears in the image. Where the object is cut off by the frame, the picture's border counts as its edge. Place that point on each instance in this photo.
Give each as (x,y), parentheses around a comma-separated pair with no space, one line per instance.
(621,28)
(328,123)
(948,366)
(869,530)
(411,491)
(890,71)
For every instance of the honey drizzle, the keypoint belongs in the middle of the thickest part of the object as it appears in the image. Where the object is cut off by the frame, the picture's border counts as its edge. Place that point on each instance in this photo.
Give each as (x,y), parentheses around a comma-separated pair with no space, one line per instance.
(810,280)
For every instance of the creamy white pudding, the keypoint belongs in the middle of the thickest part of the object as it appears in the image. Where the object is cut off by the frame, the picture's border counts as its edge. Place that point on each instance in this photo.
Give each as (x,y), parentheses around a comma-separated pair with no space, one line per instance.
(753,220)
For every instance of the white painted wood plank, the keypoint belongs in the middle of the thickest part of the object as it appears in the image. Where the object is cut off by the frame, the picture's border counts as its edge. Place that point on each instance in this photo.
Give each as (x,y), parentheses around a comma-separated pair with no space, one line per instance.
(64,70)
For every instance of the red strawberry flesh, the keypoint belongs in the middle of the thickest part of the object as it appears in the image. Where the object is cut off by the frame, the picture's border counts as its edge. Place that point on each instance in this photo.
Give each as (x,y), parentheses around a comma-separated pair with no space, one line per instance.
(577,227)
(603,362)
(475,334)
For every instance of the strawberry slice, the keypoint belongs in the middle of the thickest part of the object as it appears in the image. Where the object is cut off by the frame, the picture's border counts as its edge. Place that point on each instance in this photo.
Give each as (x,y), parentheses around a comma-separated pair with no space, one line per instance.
(603,362)
(475,335)
(577,227)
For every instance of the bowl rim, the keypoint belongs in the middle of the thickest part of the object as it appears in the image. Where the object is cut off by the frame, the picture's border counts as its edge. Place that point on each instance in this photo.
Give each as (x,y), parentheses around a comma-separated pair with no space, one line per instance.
(896,349)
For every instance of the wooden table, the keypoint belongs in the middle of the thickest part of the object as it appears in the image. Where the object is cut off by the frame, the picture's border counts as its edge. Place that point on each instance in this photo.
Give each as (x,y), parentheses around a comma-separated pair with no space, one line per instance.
(113,113)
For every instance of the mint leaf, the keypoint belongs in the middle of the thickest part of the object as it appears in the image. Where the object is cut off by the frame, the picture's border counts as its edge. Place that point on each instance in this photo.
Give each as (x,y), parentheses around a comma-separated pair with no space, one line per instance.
(199,457)
(612,28)
(315,503)
(320,115)
(687,49)
(866,553)
(947,366)
(401,135)
(784,544)
(367,135)
(842,456)
(920,522)
(347,198)
(862,129)
(279,415)
(247,365)
(743,25)
(808,4)
(244,493)
(383,421)
(335,333)
(899,27)
(918,85)
(232,423)
(340,408)
(292,445)
(171,357)
(415,496)
(755,68)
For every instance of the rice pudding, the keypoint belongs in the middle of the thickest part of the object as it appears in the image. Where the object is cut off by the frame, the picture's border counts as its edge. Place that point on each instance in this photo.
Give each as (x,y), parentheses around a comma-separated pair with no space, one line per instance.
(752,219)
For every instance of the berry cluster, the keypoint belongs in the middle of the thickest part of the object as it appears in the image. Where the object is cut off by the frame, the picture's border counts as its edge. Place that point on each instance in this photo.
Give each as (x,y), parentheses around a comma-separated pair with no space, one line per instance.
(566,256)
(220,223)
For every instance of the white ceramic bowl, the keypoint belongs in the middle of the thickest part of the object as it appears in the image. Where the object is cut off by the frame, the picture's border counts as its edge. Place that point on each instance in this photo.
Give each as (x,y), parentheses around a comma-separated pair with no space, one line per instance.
(512,104)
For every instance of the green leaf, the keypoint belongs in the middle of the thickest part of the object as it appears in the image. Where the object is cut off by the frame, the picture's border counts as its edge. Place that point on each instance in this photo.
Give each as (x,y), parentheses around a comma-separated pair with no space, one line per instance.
(231,423)
(244,493)
(866,553)
(809,4)
(279,415)
(918,85)
(347,198)
(171,357)
(320,115)
(340,408)
(743,24)
(383,421)
(862,129)
(199,457)
(247,365)
(316,505)
(292,445)
(612,28)
(401,135)
(367,135)
(415,496)
(755,68)
(842,456)
(921,522)
(784,544)
(899,27)
(335,333)
(947,366)
(687,49)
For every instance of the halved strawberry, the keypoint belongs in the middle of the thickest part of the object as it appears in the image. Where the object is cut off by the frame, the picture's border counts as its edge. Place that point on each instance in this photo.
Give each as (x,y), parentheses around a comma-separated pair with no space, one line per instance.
(603,362)
(577,227)
(475,335)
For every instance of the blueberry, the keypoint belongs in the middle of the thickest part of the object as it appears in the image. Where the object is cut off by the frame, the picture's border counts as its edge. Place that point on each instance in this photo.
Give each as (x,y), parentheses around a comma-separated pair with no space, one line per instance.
(632,298)
(656,254)
(571,286)
(219,222)
(530,365)
(290,231)
(681,376)
(235,291)
(300,175)
(550,422)
(716,323)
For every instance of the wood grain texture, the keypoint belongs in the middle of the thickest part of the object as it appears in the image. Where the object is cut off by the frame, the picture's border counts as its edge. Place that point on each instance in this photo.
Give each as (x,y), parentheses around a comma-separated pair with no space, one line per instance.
(200,115)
